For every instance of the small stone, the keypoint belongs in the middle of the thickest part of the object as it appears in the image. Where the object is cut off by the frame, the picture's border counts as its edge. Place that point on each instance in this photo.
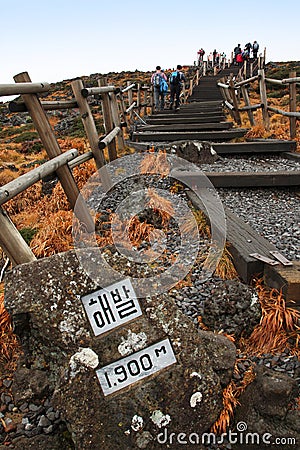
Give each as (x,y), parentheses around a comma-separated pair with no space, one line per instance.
(7,383)
(48,430)
(51,415)
(33,407)
(23,407)
(44,422)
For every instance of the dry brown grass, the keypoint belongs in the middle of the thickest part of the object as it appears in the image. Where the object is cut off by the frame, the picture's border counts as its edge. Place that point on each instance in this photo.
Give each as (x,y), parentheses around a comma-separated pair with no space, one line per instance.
(155,164)
(55,236)
(230,400)
(10,347)
(279,326)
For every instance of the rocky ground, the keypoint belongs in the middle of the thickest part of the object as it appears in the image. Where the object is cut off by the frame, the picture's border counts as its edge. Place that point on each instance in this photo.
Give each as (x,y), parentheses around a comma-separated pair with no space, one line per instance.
(28,420)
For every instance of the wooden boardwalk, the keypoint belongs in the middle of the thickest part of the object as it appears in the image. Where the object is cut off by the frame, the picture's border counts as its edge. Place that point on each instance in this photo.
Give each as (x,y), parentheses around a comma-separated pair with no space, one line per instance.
(203,119)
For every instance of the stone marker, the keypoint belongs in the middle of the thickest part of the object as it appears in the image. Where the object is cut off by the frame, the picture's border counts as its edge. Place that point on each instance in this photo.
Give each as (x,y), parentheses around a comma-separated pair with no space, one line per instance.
(130,386)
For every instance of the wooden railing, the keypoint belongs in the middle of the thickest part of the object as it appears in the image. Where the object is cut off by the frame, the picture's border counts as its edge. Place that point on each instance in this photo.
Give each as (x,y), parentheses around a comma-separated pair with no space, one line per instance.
(233,89)
(120,109)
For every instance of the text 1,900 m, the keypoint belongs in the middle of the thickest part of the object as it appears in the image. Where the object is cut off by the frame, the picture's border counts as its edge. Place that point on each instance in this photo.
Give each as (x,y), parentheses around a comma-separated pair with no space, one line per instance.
(135,367)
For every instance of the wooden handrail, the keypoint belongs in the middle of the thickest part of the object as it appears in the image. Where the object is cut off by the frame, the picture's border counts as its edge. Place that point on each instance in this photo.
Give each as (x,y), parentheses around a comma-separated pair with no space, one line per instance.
(85,92)
(105,141)
(284,113)
(14,187)
(47,106)
(23,88)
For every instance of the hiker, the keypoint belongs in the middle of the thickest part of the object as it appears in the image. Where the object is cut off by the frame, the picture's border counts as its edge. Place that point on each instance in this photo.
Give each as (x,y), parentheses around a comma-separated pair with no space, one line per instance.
(176,81)
(239,59)
(248,48)
(201,54)
(215,57)
(159,81)
(237,50)
(255,48)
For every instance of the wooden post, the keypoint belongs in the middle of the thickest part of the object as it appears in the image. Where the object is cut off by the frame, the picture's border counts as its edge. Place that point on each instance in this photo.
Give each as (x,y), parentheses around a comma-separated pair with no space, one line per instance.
(197,77)
(263,98)
(226,95)
(123,110)
(251,70)
(130,98)
(234,101)
(116,119)
(138,98)
(191,87)
(12,242)
(247,103)
(145,102)
(88,123)
(204,68)
(52,148)
(292,104)
(108,120)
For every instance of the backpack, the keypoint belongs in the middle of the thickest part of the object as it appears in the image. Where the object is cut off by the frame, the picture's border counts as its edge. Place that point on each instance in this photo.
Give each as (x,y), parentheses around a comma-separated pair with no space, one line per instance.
(157,80)
(175,78)
(163,86)
(255,46)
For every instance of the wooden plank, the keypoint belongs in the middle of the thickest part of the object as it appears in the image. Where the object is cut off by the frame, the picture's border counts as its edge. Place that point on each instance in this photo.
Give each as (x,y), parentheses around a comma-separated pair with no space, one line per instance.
(187,112)
(247,179)
(193,135)
(285,279)
(243,241)
(243,179)
(224,148)
(186,126)
(184,119)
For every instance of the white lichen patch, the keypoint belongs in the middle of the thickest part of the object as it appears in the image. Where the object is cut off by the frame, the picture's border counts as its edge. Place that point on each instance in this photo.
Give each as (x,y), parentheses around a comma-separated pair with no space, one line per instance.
(85,359)
(132,343)
(196,374)
(137,423)
(254,299)
(160,419)
(195,398)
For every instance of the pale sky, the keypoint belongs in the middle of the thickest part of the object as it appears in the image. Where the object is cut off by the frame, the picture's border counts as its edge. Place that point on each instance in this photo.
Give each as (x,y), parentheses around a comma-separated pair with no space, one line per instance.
(54,40)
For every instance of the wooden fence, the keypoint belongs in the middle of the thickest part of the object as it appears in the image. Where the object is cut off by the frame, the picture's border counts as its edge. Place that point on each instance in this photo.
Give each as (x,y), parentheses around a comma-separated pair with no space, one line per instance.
(233,89)
(120,107)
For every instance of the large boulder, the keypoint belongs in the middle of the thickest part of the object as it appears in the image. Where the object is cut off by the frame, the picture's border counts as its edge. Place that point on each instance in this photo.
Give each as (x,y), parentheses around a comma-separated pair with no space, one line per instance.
(120,406)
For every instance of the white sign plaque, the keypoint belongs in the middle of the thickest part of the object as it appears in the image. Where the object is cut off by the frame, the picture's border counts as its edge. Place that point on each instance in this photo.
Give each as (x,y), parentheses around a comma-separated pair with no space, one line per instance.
(111,307)
(135,367)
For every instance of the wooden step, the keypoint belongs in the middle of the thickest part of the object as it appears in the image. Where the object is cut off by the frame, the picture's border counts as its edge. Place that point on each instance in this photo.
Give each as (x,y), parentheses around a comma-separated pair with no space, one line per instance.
(243,241)
(245,179)
(186,127)
(157,120)
(266,146)
(211,136)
